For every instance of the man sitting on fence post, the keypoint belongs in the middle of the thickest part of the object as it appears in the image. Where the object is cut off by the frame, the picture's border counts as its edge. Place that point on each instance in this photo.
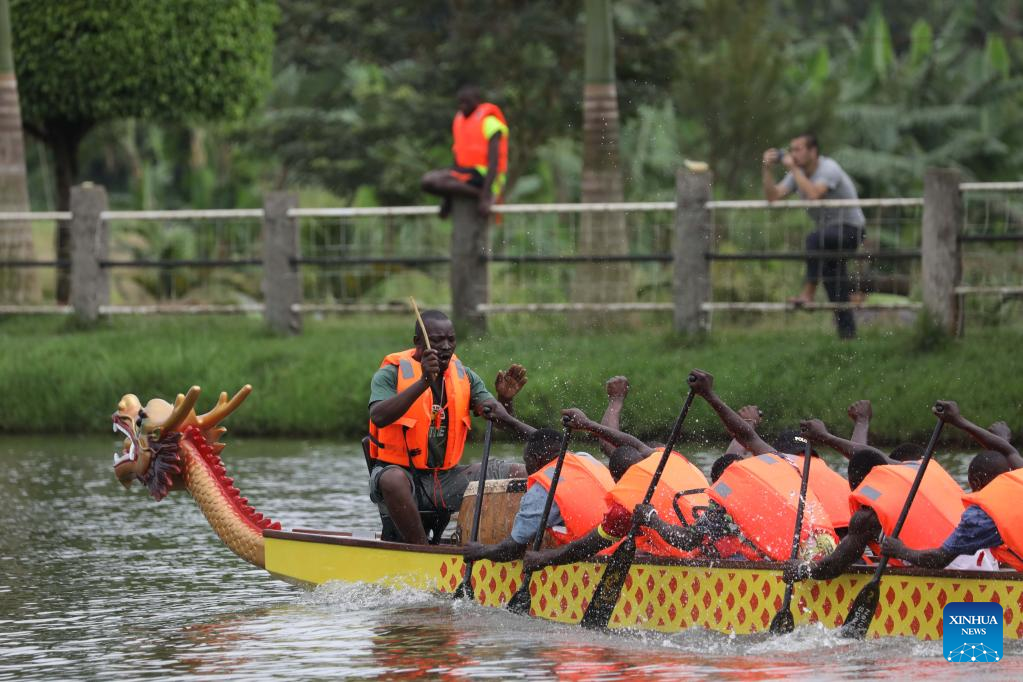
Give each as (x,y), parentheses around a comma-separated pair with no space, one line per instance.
(815,177)
(480,148)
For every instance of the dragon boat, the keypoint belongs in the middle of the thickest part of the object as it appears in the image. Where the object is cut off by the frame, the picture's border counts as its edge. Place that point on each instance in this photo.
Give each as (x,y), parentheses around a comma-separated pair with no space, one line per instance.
(169,447)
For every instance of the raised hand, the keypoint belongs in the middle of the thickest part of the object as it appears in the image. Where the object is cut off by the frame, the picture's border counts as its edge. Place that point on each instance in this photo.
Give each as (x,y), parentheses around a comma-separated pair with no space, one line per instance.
(574,418)
(509,382)
(813,429)
(860,410)
(752,414)
(946,410)
(701,382)
(617,387)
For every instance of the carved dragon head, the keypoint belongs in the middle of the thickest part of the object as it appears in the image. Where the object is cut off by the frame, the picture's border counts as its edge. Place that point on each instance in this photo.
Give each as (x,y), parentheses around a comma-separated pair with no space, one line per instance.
(152,436)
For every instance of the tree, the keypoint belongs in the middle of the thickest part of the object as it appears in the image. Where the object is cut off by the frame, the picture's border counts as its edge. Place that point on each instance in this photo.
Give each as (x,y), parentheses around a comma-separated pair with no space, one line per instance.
(15,238)
(84,62)
(601,233)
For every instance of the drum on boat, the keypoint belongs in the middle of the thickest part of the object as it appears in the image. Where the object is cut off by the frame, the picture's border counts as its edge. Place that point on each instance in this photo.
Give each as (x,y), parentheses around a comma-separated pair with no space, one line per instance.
(500,504)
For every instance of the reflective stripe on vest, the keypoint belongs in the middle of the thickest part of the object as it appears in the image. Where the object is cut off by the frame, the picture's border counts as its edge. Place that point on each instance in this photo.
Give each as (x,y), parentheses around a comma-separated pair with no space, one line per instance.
(935,511)
(581,494)
(760,494)
(831,488)
(470,146)
(1002,499)
(406,441)
(679,474)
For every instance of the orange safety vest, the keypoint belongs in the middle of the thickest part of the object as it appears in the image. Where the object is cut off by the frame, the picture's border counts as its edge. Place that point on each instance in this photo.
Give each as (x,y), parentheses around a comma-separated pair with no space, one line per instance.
(470,146)
(831,488)
(406,441)
(1001,500)
(761,494)
(936,508)
(581,494)
(679,474)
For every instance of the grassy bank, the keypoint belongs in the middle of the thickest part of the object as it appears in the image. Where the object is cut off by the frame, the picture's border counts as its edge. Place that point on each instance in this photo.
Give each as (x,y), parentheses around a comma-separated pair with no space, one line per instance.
(56,379)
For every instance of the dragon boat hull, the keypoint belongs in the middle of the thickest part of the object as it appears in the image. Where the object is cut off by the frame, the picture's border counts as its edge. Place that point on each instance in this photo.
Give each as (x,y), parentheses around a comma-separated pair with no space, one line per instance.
(729,597)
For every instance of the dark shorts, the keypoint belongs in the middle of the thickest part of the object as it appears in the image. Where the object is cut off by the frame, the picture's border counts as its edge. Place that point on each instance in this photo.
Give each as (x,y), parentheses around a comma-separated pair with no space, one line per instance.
(436,491)
(469,176)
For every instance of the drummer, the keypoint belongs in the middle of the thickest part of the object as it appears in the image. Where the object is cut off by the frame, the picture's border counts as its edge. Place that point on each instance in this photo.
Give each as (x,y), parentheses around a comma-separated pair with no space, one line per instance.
(420,407)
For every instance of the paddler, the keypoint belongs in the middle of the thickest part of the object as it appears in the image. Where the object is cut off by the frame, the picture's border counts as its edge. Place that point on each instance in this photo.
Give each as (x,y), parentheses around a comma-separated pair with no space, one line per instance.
(632,465)
(578,504)
(420,406)
(992,522)
(880,487)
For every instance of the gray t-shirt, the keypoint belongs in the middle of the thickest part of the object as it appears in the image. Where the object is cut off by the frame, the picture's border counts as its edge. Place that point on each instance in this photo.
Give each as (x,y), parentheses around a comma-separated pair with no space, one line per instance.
(840,186)
(527,520)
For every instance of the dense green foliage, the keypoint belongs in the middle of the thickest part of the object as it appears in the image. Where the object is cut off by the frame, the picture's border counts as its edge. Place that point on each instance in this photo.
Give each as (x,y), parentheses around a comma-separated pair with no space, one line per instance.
(317,385)
(362,92)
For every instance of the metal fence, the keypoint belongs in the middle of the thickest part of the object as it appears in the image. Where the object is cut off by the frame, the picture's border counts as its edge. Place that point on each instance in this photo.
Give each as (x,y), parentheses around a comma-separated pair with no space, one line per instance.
(693,257)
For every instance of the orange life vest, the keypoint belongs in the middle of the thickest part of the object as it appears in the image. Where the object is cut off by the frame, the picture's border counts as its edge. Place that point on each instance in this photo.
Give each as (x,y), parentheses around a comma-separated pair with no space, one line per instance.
(761,494)
(936,508)
(581,494)
(470,146)
(831,488)
(1002,499)
(679,475)
(406,441)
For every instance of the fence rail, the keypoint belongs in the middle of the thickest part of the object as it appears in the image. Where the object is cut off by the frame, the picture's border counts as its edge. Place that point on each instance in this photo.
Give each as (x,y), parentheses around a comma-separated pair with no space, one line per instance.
(672,260)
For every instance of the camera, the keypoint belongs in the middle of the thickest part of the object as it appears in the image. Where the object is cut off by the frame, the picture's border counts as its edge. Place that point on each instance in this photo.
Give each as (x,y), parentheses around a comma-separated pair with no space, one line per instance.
(780,151)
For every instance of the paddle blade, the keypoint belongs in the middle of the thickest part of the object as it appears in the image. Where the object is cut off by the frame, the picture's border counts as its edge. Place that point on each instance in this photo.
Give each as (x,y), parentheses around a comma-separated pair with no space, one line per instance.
(522,600)
(783,623)
(605,597)
(862,612)
(464,589)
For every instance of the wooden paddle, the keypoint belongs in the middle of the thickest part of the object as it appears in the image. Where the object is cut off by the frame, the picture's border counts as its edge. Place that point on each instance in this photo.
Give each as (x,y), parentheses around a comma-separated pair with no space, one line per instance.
(862,612)
(522,600)
(605,597)
(464,590)
(783,621)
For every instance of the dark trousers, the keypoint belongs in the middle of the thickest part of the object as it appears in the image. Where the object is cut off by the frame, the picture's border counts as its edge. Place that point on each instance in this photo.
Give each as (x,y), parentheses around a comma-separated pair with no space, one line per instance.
(832,271)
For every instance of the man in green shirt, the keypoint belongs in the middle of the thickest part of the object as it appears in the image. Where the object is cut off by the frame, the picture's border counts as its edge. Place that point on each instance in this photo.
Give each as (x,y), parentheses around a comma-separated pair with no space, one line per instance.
(419,400)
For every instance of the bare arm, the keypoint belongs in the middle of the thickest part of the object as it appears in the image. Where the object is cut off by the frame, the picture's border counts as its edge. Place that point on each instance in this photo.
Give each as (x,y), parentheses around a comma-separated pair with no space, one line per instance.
(617,388)
(577,420)
(925,558)
(683,537)
(580,549)
(860,412)
(504,420)
(948,412)
(506,550)
(863,527)
(702,384)
(386,412)
(815,431)
(753,415)
(809,189)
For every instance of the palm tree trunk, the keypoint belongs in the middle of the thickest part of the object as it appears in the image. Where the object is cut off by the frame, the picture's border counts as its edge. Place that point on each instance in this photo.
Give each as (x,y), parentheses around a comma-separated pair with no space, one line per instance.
(601,233)
(17,285)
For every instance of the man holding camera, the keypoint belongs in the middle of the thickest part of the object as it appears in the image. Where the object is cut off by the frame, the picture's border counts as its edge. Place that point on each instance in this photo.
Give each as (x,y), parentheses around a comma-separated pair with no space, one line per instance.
(837,228)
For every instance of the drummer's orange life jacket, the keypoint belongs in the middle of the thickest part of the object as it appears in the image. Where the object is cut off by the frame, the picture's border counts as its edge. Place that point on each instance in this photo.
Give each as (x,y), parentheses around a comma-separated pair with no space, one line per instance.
(1002,499)
(761,494)
(935,511)
(471,145)
(679,475)
(830,487)
(406,441)
(581,494)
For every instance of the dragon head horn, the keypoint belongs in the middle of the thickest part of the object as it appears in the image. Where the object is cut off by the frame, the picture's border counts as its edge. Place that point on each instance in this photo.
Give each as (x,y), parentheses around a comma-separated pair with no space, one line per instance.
(223,408)
(183,405)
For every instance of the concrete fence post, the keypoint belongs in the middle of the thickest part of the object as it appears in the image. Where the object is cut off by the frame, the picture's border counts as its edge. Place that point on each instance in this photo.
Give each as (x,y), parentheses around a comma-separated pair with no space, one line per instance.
(940,263)
(90,282)
(691,280)
(469,268)
(282,288)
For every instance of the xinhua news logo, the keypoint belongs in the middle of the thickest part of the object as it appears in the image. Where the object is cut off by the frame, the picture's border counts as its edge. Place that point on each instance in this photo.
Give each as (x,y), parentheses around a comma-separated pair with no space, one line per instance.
(972,632)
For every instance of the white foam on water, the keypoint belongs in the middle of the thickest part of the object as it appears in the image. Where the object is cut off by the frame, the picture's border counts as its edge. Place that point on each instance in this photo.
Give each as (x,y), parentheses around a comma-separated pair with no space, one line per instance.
(345,597)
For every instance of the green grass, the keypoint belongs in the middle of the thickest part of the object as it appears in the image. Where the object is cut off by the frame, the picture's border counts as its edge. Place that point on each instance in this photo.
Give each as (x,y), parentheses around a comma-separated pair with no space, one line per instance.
(58,379)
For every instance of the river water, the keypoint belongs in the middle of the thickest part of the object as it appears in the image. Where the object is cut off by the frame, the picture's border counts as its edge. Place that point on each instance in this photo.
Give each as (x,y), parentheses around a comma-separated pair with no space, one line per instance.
(97,582)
